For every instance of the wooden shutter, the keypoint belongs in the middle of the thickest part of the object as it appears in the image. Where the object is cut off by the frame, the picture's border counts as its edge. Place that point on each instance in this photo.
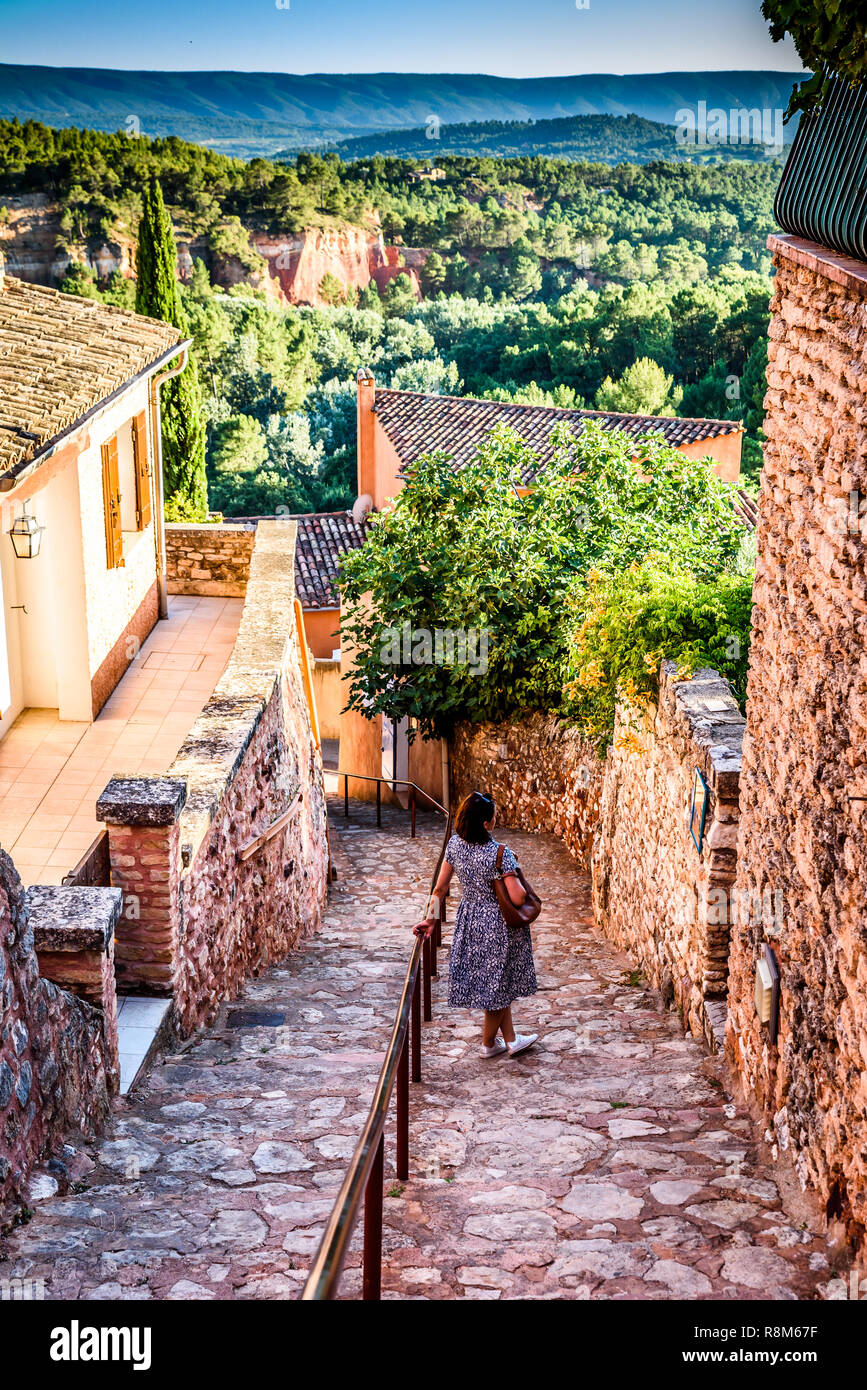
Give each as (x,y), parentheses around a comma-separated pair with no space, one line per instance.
(143,509)
(111,500)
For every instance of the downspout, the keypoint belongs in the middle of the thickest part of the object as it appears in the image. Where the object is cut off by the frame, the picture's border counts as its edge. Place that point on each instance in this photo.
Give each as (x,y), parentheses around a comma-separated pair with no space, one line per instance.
(159,489)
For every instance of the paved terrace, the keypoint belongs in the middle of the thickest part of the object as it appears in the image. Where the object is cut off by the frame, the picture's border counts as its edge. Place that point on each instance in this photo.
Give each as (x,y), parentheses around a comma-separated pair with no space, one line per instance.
(52,771)
(609,1162)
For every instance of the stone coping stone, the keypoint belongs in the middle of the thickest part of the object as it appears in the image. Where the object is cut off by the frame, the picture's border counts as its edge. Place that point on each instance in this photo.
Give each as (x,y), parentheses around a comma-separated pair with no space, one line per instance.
(708,713)
(210,756)
(210,528)
(73,919)
(811,255)
(142,801)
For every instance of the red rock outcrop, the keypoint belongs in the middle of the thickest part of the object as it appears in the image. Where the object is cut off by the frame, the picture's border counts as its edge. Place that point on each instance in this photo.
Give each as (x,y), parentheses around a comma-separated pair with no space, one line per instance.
(350,255)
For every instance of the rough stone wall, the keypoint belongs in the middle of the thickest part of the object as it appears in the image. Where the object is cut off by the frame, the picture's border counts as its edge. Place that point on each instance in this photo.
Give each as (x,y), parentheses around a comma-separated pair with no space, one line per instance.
(52,1059)
(206,917)
(542,776)
(209,559)
(654,893)
(803,832)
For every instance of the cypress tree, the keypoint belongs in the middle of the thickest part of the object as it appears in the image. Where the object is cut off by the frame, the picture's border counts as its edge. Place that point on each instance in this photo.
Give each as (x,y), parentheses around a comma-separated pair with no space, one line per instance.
(183,428)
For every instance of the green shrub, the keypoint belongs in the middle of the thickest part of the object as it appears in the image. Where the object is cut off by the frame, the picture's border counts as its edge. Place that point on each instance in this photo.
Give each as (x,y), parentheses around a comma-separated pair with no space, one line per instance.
(625,623)
(465,549)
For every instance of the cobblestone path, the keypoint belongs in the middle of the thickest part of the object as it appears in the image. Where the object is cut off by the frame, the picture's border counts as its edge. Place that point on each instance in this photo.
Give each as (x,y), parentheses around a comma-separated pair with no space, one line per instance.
(607,1162)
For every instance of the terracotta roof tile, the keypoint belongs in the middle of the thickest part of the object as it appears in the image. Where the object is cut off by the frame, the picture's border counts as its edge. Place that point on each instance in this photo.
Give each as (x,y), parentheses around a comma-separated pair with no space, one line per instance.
(60,356)
(323,539)
(417,423)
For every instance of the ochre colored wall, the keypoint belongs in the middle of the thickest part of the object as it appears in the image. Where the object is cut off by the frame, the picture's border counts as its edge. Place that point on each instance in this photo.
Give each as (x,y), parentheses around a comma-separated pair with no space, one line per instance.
(725,450)
(330,696)
(322,628)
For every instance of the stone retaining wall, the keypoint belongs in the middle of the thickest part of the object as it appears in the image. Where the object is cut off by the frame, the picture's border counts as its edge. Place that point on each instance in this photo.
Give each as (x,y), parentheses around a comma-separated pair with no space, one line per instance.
(204,918)
(55,1068)
(542,776)
(209,559)
(804,784)
(654,893)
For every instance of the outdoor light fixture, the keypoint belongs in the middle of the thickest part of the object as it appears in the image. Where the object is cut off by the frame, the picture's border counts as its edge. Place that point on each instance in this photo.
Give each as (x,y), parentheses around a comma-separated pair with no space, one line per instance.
(767,992)
(26,535)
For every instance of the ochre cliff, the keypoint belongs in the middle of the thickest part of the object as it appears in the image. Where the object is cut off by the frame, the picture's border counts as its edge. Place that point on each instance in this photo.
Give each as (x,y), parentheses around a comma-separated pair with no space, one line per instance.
(36,250)
(351,255)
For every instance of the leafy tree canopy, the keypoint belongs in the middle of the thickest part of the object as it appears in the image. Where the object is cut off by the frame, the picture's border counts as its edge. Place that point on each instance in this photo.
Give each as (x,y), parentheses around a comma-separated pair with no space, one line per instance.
(463,552)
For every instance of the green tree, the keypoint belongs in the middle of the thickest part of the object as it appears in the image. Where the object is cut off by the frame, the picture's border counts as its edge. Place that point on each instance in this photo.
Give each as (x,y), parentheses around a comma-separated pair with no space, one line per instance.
(825,32)
(331,291)
(433,276)
(462,550)
(643,389)
(183,429)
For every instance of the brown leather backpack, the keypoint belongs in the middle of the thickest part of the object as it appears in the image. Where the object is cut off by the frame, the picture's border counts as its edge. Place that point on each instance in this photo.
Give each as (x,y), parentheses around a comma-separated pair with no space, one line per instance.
(529,909)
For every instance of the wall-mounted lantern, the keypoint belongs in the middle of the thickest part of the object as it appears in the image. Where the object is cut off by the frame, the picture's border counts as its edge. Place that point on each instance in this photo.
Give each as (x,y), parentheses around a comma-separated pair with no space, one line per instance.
(26,535)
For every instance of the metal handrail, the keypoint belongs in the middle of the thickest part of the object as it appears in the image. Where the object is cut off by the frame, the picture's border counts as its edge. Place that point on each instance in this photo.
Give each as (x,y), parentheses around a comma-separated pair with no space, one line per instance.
(392,782)
(364,1176)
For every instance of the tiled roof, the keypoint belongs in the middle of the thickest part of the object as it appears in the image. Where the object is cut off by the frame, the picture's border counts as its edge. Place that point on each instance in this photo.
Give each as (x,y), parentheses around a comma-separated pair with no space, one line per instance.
(746,509)
(323,538)
(60,356)
(417,423)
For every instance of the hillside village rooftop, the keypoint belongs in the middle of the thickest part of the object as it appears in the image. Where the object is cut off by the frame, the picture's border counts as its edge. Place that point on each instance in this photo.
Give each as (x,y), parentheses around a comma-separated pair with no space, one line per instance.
(418,423)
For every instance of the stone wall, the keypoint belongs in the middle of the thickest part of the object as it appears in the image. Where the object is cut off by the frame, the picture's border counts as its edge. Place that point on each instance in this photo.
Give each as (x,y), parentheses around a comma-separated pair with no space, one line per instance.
(803,832)
(654,893)
(540,773)
(209,559)
(55,1071)
(205,916)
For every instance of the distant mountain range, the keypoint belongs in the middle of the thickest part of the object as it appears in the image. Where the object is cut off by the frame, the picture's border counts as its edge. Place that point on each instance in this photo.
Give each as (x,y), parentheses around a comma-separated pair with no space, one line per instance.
(249,113)
(603,139)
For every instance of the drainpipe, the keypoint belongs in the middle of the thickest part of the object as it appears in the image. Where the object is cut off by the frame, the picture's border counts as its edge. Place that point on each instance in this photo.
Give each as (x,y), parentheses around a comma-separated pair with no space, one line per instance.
(159,489)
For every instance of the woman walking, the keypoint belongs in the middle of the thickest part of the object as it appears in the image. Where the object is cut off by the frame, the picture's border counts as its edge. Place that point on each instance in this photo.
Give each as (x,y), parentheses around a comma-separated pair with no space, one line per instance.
(490,963)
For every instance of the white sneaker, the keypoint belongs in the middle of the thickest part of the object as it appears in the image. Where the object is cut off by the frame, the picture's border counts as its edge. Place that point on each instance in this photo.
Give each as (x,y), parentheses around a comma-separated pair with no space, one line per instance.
(497,1050)
(522,1042)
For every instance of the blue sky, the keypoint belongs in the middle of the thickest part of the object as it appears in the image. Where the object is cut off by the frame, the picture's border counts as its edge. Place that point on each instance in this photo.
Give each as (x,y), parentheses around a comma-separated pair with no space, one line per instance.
(513,38)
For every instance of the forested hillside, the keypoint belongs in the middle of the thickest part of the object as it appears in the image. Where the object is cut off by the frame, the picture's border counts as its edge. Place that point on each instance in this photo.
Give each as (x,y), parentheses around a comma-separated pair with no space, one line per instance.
(636,288)
(607,139)
(251,113)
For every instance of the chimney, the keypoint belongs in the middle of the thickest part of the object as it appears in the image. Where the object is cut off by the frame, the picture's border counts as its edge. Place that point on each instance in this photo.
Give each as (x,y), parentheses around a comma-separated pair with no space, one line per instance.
(366,445)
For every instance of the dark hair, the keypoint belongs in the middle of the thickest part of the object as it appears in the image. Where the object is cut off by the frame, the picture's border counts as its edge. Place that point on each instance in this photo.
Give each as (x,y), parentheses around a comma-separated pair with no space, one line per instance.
(472,813)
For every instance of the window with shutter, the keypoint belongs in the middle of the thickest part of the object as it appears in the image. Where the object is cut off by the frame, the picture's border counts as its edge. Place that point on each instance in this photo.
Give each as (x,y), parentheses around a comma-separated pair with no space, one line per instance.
(143,509)
(111,500)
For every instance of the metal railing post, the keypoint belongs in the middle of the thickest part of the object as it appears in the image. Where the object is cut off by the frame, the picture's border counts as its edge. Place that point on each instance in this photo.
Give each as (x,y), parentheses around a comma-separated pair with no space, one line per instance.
(415,1029)
(434,943)
(379,803)
(371,1285)
(412,812)
(402,1163)
(425,970)
(346,795)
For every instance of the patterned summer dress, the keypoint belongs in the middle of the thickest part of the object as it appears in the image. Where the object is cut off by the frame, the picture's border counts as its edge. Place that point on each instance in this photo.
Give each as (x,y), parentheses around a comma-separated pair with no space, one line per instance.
(490,964)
